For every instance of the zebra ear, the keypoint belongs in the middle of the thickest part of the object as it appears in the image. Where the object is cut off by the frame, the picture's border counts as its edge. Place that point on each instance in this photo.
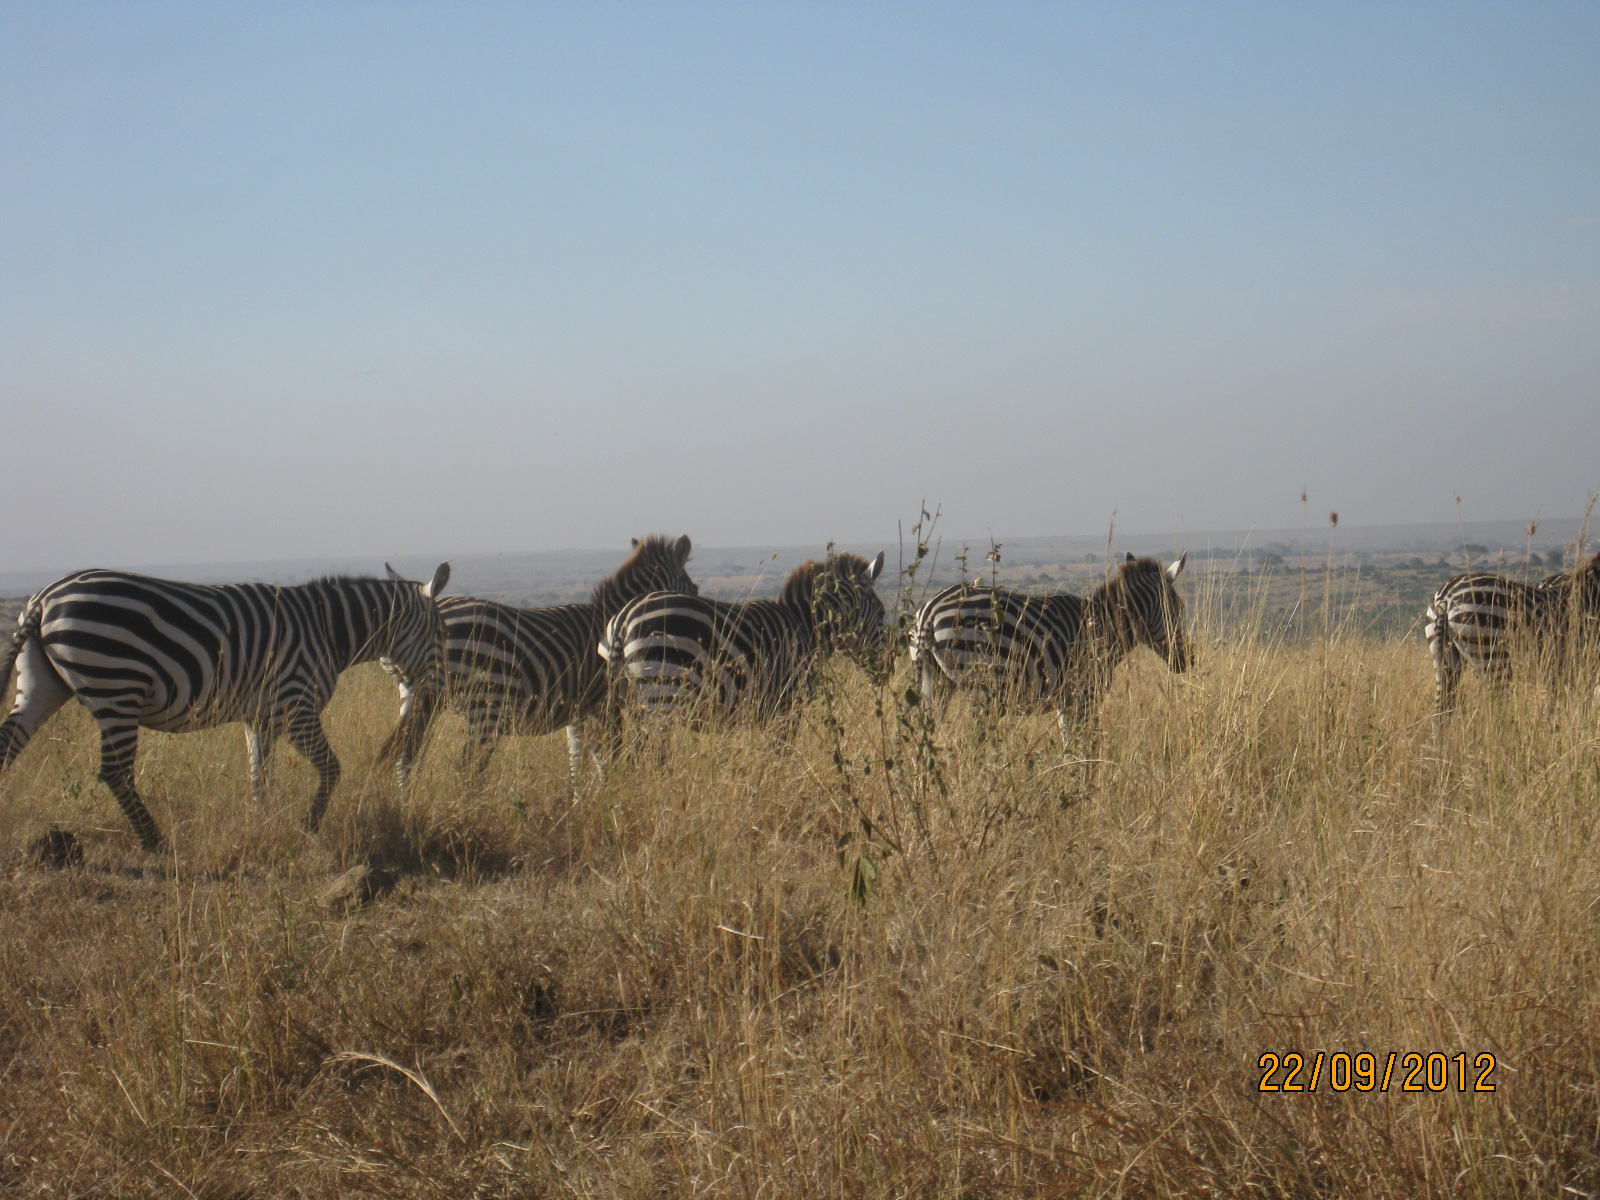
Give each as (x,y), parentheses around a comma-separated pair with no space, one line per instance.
(681,549)
(393,574)
(1176,568)
(876,568)
(436,585)
(1130,557)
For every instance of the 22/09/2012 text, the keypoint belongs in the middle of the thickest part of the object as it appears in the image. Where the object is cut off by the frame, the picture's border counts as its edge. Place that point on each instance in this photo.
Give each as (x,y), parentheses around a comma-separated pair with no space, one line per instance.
(1366,1072)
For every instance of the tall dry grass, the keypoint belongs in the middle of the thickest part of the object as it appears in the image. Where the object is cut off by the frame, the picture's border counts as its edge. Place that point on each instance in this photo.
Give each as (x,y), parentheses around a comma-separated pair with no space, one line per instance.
(887,960)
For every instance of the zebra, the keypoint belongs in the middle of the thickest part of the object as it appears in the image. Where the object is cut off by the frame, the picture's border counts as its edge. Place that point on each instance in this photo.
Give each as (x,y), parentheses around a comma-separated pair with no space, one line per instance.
(138,651)
(1484,619)
(1056,650)
(534,670)
(671,650)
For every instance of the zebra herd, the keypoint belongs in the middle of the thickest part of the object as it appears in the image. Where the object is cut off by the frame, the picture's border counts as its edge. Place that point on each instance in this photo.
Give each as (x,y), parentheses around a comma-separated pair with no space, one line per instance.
(534,670)
(152,653)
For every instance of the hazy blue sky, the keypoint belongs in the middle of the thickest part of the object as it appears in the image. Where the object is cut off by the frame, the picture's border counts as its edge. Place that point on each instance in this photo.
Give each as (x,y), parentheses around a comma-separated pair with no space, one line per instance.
(345,278)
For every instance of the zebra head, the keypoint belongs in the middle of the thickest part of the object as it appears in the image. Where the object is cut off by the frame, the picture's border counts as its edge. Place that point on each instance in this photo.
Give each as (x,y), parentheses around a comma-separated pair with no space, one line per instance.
(657,564)
(1140,607)
(1579,588)
(1588,586)
(1584,599)
(410,638)
(411,644)
(846,613)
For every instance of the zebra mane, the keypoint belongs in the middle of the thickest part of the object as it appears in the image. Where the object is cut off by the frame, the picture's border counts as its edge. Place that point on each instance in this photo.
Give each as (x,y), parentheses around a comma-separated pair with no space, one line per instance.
(340,580)
(637,573)
(801,585)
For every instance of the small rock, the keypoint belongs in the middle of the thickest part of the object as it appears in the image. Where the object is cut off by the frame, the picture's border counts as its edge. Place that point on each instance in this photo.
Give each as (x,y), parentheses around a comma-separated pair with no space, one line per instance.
(56,848)
(359,885)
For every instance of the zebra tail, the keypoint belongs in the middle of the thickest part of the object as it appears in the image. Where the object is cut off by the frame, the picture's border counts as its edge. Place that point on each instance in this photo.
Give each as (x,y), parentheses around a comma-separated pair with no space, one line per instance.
(1436,625)
(27,627)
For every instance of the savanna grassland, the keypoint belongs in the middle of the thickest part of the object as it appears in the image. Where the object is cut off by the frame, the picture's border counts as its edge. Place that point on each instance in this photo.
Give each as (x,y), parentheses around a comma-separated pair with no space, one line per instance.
(886,960)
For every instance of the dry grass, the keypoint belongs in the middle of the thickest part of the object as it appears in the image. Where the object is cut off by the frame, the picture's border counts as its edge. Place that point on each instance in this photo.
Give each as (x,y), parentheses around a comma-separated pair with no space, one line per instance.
(973,970)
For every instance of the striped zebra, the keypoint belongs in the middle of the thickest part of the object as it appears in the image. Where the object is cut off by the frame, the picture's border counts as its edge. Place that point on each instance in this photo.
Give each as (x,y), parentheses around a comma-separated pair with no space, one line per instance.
(1486,620)
(1058,650)
(671,650)
(173,656)
(534,670)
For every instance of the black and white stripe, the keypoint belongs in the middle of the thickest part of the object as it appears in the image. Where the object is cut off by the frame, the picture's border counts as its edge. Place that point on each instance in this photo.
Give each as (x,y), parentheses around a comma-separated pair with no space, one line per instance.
(671,651)
(1056,650)
(1485,620)
(173,656)
(535,670)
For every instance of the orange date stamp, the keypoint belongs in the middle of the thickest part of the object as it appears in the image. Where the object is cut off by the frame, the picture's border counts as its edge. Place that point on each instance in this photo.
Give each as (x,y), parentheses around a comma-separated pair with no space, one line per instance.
(1399,1071)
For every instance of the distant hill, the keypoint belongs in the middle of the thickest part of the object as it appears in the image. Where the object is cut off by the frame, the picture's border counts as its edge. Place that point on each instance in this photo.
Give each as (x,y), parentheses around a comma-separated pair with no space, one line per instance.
(564,576)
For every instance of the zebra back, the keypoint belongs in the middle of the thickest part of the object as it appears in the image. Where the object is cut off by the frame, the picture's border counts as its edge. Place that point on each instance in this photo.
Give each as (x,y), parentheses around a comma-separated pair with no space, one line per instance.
(184,655)
(1022,643)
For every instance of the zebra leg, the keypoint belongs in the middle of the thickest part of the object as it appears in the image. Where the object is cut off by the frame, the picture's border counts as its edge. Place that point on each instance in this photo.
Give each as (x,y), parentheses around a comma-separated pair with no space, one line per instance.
(306,735)
(1085,699)
(1446,671)
(483,730)
(410,733)
(40,692)
(259,740)
(787,722)
(475,754)
(935,689)
(1074,717)
(1497,678)
(610,737)
(119,742)
(574,759)
(599,752)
